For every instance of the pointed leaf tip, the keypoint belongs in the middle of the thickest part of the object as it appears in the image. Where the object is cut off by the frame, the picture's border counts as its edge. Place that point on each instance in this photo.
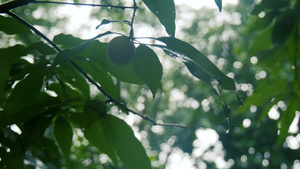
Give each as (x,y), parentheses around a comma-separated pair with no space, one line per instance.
(219,4)
(148,67)
(165,12)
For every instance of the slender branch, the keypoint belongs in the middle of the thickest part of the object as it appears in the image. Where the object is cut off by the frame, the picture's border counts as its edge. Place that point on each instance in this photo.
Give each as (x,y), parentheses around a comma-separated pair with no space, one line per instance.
(82,4)
(33,29)
(4,8)
(135,7)
(88,77)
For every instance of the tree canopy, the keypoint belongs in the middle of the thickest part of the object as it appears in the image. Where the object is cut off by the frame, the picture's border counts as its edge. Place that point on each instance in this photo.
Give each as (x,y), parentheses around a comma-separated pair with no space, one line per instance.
(217,87)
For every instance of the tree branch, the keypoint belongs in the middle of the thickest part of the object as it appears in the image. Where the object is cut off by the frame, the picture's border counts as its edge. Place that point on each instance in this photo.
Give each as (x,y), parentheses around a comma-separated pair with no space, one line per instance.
(87,76)
(4,8)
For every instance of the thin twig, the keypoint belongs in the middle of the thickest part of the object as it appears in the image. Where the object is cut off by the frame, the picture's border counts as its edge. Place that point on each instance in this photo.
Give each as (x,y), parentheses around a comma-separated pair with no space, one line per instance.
(87,76)
(135,7)
(82,4)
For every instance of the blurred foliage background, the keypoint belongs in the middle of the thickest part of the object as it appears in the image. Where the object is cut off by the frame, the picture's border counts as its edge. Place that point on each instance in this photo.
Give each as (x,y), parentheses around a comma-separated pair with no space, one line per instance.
(255,42)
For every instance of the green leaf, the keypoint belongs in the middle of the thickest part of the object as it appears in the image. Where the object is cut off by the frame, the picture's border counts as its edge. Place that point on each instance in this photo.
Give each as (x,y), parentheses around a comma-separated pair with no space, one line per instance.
(121,137)
(67,41)
(189,54)
(265,5)
(73,53)
(219,4)
(63,134)
(198,72)
(122,73)
(25,92)
(68,74)
(261,40)
(287,118)
(64,92)
(273,55)
(11,26)
(39,105)
(256,23)
(8,57)
(103,22)
(165,12)
(42,48)
(264,93)
(99,75)
(148,67)
(96,107)
(68,54)
(284,27)
(96,136)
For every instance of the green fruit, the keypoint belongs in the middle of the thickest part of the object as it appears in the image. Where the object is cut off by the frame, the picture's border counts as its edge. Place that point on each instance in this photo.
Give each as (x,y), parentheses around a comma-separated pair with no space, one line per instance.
(120,50)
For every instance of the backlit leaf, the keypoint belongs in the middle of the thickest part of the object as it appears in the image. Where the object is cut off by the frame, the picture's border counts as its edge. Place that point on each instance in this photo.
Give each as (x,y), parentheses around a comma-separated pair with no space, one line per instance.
(102,77)
(67,41)
(121,137)
(148,67)
(261,40)
(189,54)
(69,74)
(264,93)
(96,136)
(287,119)
(165,12)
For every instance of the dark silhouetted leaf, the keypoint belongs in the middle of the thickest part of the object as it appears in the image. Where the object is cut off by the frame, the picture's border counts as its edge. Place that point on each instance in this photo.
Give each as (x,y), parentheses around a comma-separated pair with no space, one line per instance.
(67,41)
(165,12)
(97,138)
(11,26)
(219,4)
(39,105)
(95,107)
(283,28)
(25,92)
(42,48)
(104,22)
(63,134)
(148,67)
(121,137)
(8,57)
(68,74)
(101,76)
(68,54)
